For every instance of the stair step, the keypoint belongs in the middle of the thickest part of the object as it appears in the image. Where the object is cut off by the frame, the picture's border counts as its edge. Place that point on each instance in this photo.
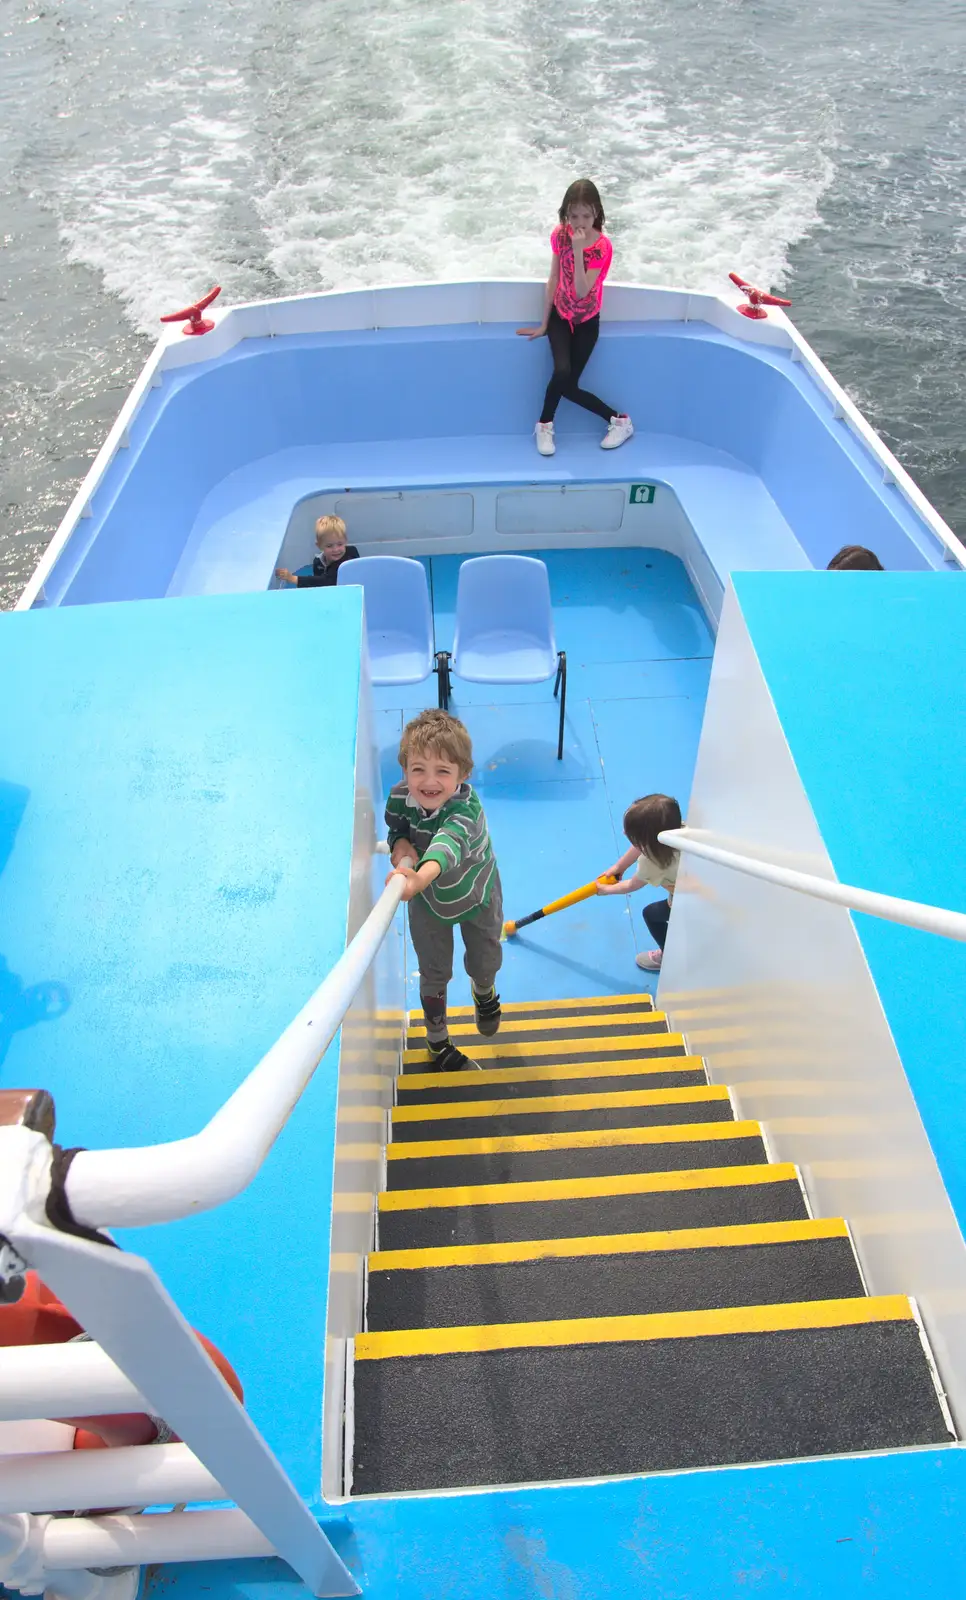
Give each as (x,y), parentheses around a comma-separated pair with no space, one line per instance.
(589,1004)
(523,1158)
(561,1113)
(516,1030)
(561,1208)
(624,1275)
(547,1052)
(525,1402)
(419,1088)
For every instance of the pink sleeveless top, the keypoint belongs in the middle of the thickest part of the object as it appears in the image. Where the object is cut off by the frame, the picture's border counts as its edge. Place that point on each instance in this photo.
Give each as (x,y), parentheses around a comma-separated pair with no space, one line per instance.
(565,301)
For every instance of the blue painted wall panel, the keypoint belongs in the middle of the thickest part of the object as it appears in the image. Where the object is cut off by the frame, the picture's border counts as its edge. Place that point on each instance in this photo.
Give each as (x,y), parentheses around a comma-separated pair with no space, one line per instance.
(176,814)
(868,675)
(269,395)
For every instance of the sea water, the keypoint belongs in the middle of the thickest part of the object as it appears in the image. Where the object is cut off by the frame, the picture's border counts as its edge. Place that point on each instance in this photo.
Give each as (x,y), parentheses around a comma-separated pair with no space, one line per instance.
(148,151)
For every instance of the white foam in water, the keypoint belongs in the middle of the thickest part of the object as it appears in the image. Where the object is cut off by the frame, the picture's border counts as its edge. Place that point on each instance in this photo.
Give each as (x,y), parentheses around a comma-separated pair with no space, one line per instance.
(338,142)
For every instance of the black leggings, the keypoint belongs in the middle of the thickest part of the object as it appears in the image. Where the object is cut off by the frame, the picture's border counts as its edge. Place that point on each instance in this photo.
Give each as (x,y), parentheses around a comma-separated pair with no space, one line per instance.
(657,914)
(572,349)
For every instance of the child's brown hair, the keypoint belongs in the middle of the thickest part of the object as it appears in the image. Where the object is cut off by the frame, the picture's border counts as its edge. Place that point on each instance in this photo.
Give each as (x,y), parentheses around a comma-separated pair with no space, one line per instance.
(855,558)
(648,817)
(437,733)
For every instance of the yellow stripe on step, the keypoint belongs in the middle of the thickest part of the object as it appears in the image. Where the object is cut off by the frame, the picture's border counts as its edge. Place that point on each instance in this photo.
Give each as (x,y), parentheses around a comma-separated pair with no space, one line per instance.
(540,1190)
(590,1049)
(565,1071)
(613,1244)
(786,1318)
(527,1105)
(417,1030)
(592,1139)
(593,1002)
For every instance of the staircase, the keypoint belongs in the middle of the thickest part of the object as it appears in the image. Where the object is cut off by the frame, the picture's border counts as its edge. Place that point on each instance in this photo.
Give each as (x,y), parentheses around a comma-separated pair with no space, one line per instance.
(586,1265)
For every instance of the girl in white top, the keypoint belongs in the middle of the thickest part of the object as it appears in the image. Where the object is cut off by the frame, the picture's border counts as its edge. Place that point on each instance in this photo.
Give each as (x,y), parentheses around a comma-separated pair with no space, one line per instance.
(657,866)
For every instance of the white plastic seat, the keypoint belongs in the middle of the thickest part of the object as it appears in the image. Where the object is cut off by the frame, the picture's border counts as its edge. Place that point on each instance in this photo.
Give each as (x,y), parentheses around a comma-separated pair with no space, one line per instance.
(398,616)
(504,629)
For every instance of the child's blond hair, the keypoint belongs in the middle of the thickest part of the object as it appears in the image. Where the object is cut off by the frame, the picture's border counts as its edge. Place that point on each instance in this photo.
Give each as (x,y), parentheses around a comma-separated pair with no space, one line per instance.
(329,528)
(437,733)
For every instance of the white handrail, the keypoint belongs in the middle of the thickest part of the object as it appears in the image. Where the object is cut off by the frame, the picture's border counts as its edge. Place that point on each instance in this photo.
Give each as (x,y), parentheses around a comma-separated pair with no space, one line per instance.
(158,1183)
(911,913)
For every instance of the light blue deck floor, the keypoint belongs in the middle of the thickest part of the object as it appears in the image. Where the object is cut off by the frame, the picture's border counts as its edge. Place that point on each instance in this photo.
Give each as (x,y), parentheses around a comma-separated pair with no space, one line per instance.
(639,656)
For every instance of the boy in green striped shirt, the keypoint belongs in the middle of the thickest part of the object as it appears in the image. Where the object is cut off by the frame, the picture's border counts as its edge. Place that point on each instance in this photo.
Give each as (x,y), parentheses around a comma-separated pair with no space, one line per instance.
(439,842)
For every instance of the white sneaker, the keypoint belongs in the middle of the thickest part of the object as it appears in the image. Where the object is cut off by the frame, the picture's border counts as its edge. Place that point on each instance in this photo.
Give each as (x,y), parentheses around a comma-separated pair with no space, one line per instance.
(545,444)
(649,960)
(620,430)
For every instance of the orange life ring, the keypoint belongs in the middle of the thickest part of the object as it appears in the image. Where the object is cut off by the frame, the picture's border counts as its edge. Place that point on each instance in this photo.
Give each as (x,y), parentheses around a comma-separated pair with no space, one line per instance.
(38,1317)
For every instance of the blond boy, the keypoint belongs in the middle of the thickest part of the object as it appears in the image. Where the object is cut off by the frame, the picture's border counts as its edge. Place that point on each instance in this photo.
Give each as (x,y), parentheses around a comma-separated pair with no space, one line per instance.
(440,845)
(331,543)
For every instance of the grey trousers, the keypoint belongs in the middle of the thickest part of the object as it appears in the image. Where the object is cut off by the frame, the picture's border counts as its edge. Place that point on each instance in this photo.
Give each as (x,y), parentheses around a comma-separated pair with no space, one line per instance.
(433,943)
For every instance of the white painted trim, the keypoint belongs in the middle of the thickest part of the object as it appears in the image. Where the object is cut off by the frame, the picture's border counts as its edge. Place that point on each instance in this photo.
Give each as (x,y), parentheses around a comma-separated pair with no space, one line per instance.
(349,1435)
(79,509)
(157,1183)
(911,913)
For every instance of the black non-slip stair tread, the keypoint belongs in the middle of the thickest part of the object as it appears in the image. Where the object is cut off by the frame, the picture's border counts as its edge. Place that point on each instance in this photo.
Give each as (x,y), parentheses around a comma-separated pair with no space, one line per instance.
(698,1207)
(569,1120)
(457,1086)
(642,1026)
(640,1001)
(572,1161)
(611,1285)
(491,1053)
(586,1410)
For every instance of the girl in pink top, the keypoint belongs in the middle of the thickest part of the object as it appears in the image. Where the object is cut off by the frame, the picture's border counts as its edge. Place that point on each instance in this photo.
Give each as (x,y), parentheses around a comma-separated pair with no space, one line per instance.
(582,254)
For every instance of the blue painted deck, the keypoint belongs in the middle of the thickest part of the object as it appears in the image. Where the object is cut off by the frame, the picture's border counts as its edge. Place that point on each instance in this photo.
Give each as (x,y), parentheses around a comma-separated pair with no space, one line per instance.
(819,1530)
(175,839)
(638,657)
(175,836)
(175,818)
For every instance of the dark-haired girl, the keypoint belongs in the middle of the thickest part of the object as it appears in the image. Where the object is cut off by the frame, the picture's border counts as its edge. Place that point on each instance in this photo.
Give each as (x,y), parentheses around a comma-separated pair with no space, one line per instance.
(657,866)
(582,254)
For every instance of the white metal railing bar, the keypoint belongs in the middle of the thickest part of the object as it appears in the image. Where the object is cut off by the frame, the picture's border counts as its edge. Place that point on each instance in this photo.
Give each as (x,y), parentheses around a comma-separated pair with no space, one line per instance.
(911,913)
(158,1183)
(134,1475)
(48,1544)
(64,1380)
(181,1535)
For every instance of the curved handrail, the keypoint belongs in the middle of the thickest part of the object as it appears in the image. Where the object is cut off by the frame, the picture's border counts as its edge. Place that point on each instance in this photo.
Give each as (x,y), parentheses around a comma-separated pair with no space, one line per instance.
(911,913)
(158,1183)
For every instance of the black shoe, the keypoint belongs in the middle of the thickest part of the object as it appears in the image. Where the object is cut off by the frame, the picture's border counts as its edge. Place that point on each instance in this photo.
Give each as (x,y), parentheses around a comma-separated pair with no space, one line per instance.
(488,1012)
(446,1058)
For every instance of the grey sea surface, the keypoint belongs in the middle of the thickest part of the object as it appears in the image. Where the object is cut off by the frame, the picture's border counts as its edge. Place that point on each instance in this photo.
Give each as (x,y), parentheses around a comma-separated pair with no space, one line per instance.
(279,146)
